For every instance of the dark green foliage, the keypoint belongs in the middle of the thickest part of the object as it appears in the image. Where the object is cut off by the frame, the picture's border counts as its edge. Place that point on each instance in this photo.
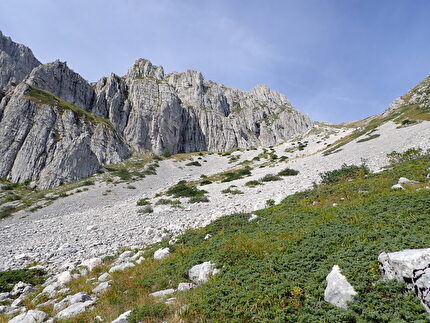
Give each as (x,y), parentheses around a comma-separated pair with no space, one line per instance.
(198,199)
(146,209)
(288,172)
(148,313)
(252,183)
(9,278)
(143,202)
(231,190)
(270,178)
(376,135)
(270,203)
(167,202)
(407,155)
(346,172)
(6,211)
(193,163)
(205,182)
(237,174)
(408,122)
(87,182)
(183,190)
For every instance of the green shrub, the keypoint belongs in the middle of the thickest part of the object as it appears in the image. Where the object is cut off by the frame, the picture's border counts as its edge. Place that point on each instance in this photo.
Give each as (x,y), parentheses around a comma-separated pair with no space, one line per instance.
(252,183)
(270,202)
(346,172)
(232,191)
(270,178)
(131,187)
(205,182)
(167,202)
(193,163)
(9,278)
(123,174)
(237,174)
(288,172)
(410,154)
(143,202)
(148,313)
(87,182)
(146,209)
(7,211)
(198,199)
(183,190)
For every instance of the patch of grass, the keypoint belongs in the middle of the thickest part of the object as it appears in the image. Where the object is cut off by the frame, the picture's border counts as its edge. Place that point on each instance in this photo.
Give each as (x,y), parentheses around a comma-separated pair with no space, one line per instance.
(148,313)
(131,187)
(270,178)
(193,163)
(87,182)
(9,278)
(7,211)
(288,172)
(205,182)
(198,199)
(236,174)
(183,190)
(252,183)
(270,203)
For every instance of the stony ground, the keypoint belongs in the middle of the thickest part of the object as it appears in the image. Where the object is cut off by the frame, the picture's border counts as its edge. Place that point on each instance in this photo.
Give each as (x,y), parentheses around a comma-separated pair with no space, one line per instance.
(105,218)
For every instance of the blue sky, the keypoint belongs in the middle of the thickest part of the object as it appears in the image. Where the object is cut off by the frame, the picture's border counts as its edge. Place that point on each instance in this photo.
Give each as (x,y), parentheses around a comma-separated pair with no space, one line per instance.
(336,60)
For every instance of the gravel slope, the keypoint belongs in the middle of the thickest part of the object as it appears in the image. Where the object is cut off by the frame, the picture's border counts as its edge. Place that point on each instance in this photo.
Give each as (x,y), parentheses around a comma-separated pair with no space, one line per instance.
(91,224)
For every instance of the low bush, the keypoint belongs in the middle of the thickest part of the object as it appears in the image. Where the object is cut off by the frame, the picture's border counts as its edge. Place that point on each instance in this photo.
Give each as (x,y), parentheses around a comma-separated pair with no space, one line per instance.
(376,135)
(183,190)
(288,172)
(148,313)
(146,209)
(205,182)
(143,202)
(193,163)
(198,199)
(252,183)
(31,276)
(237,174)
(167,202)
(270,178)
(231,190)
(346,172)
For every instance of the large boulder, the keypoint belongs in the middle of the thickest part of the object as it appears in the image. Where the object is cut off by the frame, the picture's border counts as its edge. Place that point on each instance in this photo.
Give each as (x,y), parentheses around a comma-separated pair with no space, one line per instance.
(411,266)
(74,309)
(123,318)
(201,273)
(161,253)
(338,291)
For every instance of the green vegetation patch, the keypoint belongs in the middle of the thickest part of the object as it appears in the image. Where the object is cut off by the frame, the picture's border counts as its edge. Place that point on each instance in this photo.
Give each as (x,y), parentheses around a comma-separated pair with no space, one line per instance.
(376,135)
(288,172)
(270,178)
(42,97)
(193,163)
(9,278)
(236,174)
(346,172)
(183,190)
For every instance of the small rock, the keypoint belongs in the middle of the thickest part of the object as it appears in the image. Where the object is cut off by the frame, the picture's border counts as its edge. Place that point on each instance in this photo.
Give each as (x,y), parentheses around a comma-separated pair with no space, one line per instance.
(121,267)
(80,297)
(335,204)
(338,291)
(140,260)
(32,316)
(397,187)
(102,287)
(4,296)
(252,217)
(125,255)
(161,253)
(208,236)
(137,255)
(162,293)
(170,301)
(22,288)
(404,180)
(201,273)
(123,318)
(64,277)
(17,302)
(98,318)
(103,277)
(185,286)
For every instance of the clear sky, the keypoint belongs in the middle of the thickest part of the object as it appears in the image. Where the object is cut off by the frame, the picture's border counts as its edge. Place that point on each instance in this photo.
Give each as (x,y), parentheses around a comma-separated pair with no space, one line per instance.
(336,60)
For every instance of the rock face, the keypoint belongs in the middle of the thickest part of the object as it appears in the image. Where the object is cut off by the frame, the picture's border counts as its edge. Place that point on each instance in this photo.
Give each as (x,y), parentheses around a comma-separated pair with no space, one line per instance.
(411,266)
(16,62)
(338,291)
(55,127)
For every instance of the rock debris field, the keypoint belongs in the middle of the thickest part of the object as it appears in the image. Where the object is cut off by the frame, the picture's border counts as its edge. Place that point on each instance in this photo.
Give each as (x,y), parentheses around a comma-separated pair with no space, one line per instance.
(94,223)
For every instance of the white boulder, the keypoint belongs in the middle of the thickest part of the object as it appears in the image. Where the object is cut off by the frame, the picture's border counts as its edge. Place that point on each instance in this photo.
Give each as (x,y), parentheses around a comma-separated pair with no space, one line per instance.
(338,291)
(411,266)
(102,287)
(121,267)
(32,316)
(74,309)
(92,263)
(103,277)
(201,273)
(161,253)
(162,293)
(185,286)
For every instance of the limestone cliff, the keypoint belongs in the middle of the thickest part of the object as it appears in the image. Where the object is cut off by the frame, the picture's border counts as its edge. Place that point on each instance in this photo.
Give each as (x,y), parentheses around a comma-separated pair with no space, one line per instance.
(55,127)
